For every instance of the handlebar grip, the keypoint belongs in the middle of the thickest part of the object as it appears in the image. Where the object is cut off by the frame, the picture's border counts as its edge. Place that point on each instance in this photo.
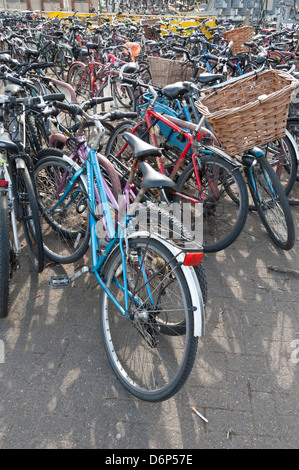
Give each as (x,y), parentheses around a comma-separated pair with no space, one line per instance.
(70,108)
(54,97)
(129,115)
(14,80)
(129,80)
(42,65)
(211,56)
(116,115)
(94,101)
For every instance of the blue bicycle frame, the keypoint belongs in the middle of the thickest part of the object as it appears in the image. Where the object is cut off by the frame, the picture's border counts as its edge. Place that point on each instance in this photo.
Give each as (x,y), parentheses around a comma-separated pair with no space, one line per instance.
(93,170)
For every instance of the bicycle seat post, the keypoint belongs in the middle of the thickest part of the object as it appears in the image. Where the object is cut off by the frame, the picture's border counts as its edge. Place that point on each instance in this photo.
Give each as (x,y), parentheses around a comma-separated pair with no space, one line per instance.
(202,119)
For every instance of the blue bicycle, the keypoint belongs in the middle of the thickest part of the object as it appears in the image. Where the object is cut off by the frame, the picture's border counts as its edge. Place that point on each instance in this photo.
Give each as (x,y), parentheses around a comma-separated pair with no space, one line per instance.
(151,305)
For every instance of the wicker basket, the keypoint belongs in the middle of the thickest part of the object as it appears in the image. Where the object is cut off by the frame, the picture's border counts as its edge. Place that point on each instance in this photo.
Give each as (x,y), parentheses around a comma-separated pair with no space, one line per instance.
(239,36)
(166,71)
(251,111)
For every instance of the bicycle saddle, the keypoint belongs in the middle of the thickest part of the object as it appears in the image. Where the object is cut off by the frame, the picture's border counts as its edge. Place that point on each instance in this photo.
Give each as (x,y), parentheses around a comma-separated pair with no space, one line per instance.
(7,144)
(140,148)
(91,45)
(208,77)
(154,179)
(175,90)
(31,52)
(151,177)
(75,28)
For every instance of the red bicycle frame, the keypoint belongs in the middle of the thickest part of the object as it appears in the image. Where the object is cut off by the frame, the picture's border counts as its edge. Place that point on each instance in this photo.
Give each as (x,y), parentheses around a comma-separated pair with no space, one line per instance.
(180,127)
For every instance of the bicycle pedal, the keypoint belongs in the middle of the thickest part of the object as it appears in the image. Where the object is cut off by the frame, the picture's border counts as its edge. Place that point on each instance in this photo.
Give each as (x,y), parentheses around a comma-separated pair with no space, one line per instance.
(59,282)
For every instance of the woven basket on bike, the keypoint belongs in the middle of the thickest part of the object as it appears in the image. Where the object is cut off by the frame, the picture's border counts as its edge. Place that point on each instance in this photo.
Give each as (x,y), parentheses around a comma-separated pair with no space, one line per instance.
(251,111)
(239,36)
(167,71)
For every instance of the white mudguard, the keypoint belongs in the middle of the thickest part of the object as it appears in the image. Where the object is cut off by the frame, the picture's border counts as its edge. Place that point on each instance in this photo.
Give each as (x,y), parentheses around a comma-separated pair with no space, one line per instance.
(295,146)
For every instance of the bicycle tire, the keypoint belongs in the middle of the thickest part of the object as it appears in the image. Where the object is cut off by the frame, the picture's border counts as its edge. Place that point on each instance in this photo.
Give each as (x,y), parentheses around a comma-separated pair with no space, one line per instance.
(49,152)
(54,152)
(123,95)
(127,341)
(116,141)
(66,231)
(281,154)
(63,59)
(33,134)
(4,256)
(28,211)
(271,203)
(224,216)
(79,78)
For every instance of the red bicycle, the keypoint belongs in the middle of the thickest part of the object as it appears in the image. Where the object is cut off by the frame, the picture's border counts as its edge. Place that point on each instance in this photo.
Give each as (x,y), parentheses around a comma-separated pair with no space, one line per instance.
(206,177)
(98,79)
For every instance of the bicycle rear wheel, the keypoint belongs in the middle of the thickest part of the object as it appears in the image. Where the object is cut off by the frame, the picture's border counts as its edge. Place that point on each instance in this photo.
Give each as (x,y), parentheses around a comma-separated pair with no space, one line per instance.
(150,364)
(271,203)
(65,229)
(224,196)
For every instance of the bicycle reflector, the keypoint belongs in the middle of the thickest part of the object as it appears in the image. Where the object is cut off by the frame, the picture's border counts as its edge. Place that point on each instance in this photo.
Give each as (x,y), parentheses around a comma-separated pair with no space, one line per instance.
(3,184)
(193,259)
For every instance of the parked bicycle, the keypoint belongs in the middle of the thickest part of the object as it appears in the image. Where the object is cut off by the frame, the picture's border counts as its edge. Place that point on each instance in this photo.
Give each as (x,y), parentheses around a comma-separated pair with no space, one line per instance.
(150,344)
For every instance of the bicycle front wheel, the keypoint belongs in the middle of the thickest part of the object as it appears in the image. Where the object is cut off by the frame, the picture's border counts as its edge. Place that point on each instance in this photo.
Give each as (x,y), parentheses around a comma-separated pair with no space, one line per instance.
(272,204)
(28,211)
(151,363)
(281,154)
(79,79)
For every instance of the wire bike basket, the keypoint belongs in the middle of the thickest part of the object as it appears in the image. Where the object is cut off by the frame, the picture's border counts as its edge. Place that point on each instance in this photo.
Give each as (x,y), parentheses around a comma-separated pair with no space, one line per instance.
(251,111)
(167,71)
(239,36)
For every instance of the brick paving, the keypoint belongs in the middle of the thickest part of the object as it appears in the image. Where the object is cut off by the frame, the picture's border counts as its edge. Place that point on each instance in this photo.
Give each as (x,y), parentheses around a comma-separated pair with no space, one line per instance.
(58,391)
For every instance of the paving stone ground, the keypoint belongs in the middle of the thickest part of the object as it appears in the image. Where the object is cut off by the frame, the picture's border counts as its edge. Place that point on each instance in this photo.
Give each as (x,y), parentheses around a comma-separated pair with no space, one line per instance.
(57,389)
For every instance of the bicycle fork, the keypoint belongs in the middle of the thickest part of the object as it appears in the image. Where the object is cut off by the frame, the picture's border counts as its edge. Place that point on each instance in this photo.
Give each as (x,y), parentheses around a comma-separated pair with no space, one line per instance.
(249,163)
